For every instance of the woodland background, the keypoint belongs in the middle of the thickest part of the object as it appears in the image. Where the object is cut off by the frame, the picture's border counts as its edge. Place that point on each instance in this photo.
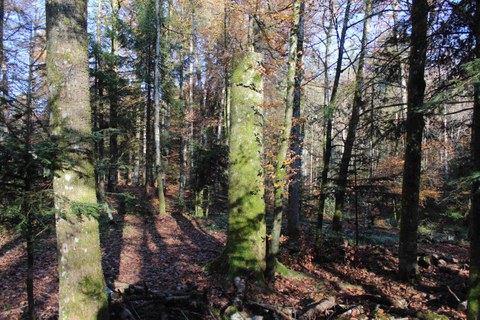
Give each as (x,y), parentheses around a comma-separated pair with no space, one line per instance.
(363,137)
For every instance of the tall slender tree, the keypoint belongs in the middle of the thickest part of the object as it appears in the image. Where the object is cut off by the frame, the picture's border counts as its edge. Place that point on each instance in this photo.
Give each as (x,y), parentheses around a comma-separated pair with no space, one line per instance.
(352,125)
(296,135)
(473,308)
(113,97)
(281,164)
(82,292)
(327,150)
(415,123)
(158,107)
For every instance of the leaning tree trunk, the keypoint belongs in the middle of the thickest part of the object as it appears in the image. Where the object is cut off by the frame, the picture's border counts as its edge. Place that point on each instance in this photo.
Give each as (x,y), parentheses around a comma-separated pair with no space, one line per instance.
(246,246)
(82,292)
(158,106)
(415,123)
(352,125)
(473,309)
(281,167)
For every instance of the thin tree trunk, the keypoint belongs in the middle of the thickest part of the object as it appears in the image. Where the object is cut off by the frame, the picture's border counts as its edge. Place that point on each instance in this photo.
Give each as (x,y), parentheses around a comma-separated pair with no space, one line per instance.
(352,126)
(28,183)
(82,293)
(296,137)
(281,166)
(183,139)
(98,114)
(149,180)
(113,95)
(3,65)
(158,106)
(327,154)
(473,306)
(408,268)
(326,99)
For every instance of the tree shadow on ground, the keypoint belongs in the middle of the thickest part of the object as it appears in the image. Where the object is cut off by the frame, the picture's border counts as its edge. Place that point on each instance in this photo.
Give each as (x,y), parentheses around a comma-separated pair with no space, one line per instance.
(111,236)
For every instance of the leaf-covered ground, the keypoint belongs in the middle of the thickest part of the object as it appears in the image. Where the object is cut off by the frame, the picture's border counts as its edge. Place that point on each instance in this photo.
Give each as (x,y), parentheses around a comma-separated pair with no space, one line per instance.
(168,253)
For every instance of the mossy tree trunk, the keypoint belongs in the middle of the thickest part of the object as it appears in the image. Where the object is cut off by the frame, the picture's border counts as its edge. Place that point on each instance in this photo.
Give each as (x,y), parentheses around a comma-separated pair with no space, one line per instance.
(82,292)
(415,123)
(246,246)
(473,309)
(352,125)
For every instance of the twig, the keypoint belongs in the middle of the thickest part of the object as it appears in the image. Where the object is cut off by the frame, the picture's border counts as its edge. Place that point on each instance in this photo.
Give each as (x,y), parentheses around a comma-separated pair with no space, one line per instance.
(184,315)
(454,295)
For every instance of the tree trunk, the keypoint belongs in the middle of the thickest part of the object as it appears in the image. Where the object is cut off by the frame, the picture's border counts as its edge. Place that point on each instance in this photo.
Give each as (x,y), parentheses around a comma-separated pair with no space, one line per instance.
(158,106)
(3,66)
(28,174)
(82,292)
(149,180)
(326,99)
(327,152)
(473,306)
(296,137)
(98,114)
(352,125)
(113,95)
(281,166)
(246,246)
(415,123)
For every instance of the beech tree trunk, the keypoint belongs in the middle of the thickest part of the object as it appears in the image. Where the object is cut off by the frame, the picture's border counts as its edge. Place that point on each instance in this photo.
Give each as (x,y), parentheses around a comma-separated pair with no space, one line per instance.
(473,306)
(352,125)
(246,245)
(408,269)
(82,292)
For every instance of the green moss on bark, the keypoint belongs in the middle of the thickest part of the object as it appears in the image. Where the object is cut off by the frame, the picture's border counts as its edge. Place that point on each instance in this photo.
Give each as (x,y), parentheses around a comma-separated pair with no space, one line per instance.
(246,245)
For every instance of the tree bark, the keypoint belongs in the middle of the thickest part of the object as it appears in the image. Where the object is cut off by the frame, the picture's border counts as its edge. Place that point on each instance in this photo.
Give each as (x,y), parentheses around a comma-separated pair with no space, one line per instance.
(352,125)
(473,305)
(296,136)
(82,292)
(246,246)
(158,106)
(281,164)
(415,123)
(113,95)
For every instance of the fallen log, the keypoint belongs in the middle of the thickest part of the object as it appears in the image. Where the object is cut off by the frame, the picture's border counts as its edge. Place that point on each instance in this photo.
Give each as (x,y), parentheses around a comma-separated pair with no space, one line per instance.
(316,309)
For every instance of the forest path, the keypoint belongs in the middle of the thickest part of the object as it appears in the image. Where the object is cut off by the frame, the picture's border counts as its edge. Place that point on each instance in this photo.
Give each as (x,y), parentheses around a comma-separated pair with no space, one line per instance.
(161,251)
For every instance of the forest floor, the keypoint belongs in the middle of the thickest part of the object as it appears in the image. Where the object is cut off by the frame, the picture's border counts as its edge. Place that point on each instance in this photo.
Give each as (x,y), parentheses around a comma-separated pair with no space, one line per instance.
(169,253)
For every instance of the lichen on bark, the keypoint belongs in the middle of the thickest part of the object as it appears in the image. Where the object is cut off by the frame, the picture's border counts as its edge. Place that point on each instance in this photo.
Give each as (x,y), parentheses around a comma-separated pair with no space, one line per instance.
(82,292)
